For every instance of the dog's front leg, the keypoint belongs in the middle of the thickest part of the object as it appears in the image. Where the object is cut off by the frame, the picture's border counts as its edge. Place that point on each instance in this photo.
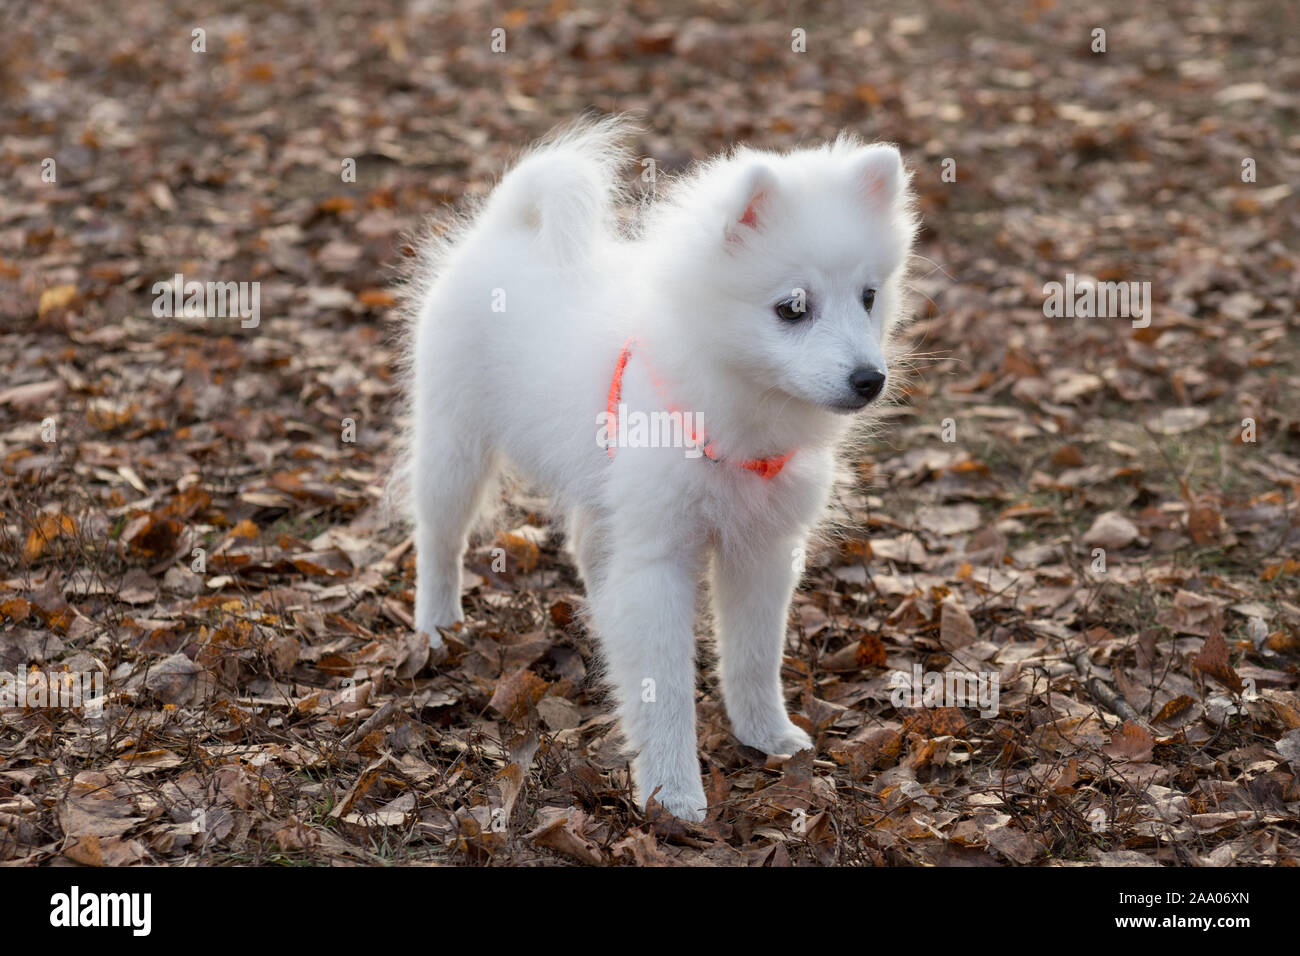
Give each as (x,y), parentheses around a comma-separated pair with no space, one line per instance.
(644,613)
(751,596)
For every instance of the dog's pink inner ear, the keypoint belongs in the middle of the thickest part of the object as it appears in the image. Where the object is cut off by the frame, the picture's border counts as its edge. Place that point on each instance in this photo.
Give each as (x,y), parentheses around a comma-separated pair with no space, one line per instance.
(879,174)
(753,192)
(750,218)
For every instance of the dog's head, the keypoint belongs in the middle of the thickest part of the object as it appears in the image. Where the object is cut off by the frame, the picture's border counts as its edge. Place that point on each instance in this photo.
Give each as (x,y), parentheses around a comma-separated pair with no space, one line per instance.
(799,259)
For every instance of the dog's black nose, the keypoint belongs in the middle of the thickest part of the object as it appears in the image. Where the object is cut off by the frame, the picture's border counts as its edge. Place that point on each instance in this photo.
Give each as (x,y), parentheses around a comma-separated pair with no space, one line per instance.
(867,382)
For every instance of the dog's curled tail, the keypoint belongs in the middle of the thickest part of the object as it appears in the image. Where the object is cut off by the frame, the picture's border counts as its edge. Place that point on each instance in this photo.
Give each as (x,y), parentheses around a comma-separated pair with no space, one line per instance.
(565,189)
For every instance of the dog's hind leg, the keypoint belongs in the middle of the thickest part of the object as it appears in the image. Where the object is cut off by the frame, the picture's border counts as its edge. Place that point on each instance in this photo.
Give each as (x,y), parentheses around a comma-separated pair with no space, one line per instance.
(589,543)
(449,479)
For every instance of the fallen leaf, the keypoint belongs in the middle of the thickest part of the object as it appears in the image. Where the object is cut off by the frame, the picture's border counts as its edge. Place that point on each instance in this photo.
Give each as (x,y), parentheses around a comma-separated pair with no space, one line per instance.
(949,520)
(517,693)
(48,527)
(1176,421)
(1213,660)
(1112,531)
(57,297)
(1132,743)
(956,627)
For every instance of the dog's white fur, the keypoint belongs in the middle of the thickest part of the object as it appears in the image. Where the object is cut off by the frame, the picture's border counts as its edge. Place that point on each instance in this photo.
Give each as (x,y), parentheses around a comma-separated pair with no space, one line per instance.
(695,284)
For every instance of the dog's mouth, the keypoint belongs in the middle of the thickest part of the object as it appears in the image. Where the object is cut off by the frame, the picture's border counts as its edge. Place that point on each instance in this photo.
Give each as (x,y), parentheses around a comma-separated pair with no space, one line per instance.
(849,408)
(849,404)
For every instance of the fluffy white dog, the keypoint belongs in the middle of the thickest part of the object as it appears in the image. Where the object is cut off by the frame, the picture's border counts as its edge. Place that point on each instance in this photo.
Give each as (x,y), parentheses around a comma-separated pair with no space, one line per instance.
(680,386)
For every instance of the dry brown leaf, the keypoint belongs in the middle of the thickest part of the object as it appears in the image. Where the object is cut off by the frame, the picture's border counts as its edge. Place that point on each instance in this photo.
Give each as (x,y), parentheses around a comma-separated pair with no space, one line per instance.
(563,834)
(1213,660)
(522,548)
(1173,708)
(48,527)
(956,627)
(56,297)
(1132,742)
(517,693)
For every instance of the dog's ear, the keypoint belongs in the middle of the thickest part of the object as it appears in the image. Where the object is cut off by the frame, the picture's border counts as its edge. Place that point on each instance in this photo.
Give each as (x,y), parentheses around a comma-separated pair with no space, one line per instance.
(878,174)
(745,210)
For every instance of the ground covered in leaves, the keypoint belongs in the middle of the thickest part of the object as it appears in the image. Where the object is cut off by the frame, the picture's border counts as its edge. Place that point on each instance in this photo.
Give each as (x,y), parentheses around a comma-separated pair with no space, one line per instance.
(1104,516)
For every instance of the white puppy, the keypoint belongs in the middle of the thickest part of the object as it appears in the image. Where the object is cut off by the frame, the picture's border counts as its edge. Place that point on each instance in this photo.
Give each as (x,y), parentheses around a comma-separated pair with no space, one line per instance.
(746,317)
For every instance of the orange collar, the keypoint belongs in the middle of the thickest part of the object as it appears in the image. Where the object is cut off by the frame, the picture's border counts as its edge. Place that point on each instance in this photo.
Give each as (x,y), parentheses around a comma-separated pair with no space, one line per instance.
(766,468)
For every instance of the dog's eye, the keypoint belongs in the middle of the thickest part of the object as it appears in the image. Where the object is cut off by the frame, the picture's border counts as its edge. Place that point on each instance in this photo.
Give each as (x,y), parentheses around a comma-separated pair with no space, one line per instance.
(791,310)
(868,298)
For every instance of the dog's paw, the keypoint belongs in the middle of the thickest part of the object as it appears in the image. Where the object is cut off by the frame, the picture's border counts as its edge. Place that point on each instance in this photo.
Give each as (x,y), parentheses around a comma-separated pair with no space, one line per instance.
(438,651)
(784,740)
(436,643)
(684,803)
